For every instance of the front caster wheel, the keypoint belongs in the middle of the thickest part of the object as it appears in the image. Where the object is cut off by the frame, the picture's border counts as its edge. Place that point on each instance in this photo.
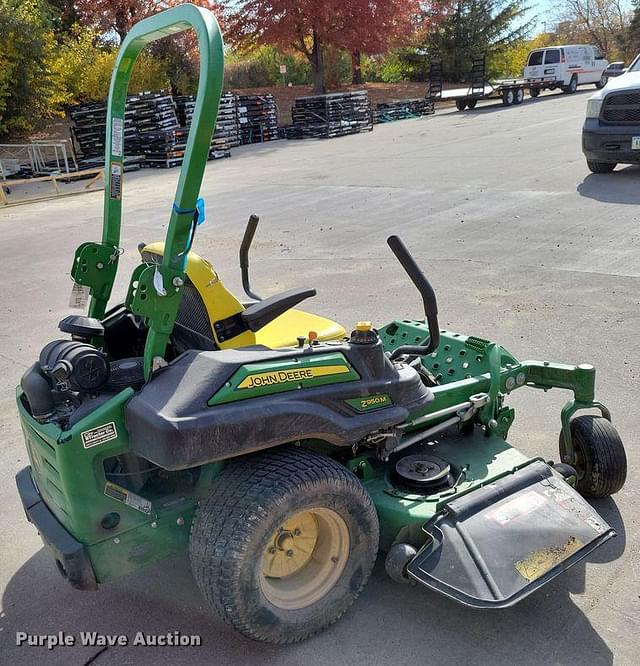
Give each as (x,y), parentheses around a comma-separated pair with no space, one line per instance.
(284,543)
(600,461)
(398,557)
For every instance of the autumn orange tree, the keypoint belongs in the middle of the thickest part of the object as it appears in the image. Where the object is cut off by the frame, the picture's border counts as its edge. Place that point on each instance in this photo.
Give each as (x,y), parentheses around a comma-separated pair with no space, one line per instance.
(307,26)
(375,27)
(121,15)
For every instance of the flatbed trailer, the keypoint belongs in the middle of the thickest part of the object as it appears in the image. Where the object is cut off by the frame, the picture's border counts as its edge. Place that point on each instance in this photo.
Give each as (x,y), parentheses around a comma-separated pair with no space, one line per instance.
(511,91)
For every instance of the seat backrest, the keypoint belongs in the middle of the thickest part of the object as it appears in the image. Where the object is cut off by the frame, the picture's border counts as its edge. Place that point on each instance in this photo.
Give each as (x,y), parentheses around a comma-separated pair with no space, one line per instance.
(205,301)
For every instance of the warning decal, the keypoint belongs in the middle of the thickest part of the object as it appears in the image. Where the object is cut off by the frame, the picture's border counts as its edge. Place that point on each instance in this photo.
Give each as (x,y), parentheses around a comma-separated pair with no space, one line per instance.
(115,181)
(79,296)
(117,125)
(125,496)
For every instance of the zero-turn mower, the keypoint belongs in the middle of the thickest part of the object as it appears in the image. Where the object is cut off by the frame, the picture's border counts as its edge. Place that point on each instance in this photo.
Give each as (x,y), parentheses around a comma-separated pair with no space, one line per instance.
(284,470)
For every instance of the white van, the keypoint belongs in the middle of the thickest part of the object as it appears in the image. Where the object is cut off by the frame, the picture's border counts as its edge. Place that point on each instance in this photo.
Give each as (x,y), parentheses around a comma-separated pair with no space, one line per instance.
(565,67)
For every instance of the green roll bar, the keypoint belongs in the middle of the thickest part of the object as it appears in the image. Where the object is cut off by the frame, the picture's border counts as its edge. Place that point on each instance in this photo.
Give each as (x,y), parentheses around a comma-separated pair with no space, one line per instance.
(155,292)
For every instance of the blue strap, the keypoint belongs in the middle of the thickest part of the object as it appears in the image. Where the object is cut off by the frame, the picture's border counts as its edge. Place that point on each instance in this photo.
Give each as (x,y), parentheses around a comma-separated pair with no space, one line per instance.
(201,210)
(183,211)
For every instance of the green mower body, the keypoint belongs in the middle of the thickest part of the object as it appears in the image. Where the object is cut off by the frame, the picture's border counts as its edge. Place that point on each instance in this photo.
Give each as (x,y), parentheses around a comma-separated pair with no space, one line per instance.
(120,486)
(393,439)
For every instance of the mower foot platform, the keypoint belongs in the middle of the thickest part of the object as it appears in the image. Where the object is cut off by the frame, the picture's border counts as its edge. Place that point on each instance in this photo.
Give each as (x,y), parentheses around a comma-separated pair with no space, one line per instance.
(498,544)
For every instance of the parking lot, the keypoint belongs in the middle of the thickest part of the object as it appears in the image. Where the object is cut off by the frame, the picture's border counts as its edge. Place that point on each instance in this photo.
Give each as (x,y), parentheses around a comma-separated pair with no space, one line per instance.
(522,245)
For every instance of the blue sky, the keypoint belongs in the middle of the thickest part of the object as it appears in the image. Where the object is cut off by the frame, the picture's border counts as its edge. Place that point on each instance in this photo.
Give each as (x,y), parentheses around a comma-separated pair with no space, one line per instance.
(545,11)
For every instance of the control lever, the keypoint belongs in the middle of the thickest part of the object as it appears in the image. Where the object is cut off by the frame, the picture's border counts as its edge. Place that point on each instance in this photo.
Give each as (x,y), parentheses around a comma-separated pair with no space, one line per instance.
(247,239)
(428,298)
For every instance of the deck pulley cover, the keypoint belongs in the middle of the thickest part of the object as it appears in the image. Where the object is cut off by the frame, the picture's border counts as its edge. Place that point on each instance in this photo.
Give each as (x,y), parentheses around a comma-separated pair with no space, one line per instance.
(424,473)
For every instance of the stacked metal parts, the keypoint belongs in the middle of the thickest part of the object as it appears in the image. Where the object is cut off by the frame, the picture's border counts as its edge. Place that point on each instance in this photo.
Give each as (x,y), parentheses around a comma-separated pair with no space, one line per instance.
(258,118)
(407,108)
(161,140)
(327,116)
(226,134)
(88,133)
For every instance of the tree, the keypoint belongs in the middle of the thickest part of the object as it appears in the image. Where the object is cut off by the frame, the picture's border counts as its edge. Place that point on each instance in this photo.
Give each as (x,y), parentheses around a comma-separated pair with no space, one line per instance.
(65,15)
(120,15)
(28,89)
(510,62)
(603,23)
(633,35)
(372,27)
(310,26)
(302,25)
(178,53)
(463,29)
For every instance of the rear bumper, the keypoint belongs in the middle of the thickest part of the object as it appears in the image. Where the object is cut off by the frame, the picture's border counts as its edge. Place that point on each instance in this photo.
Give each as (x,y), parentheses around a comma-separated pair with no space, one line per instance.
(70,555)
(609,143)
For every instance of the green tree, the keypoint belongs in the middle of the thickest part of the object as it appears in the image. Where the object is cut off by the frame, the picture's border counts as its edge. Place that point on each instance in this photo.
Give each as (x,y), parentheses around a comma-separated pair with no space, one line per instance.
(464,29)
(510,62)
(28,88)
(260,67)
(64,14)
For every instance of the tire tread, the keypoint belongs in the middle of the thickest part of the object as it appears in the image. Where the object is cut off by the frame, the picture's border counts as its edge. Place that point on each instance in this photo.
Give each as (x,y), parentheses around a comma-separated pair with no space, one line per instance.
(246,491)
(600,441)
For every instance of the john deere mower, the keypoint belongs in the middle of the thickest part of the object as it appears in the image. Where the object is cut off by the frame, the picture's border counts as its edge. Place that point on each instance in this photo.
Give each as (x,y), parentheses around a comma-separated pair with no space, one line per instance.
(282,463)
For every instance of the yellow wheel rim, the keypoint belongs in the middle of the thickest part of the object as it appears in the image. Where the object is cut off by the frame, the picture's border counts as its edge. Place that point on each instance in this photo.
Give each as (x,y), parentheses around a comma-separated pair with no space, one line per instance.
(304,558)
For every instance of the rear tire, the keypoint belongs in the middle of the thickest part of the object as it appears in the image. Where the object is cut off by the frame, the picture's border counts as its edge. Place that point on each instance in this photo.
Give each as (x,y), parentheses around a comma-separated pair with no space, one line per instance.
(572,87)
(600,462)
(601,167)
(534,92)
(471,104)
(518,97)
(284,543)
(461,105)
(602,82)
(507,97)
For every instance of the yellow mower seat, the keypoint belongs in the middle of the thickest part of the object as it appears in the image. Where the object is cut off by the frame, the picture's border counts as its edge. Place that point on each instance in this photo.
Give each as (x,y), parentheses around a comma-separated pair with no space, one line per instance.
(205,288)
(283,330)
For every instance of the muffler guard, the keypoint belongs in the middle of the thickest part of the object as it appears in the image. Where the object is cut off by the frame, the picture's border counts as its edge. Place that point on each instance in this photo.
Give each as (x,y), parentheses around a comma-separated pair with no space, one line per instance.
(498,544)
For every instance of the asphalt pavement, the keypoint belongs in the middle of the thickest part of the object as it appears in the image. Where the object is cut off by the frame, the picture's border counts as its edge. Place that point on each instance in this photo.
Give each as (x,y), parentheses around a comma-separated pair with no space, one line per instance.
(522,245)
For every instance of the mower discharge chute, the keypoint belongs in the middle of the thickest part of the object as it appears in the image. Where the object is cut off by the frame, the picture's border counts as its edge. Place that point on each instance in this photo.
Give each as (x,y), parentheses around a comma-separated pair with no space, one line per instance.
(283,471)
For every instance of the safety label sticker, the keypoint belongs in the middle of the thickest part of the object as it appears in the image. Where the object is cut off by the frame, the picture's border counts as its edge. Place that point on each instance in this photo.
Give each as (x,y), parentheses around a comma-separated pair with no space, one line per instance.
(518,507)
(117,127)
(99,435)
(125,496)
(116,181)
(79,296)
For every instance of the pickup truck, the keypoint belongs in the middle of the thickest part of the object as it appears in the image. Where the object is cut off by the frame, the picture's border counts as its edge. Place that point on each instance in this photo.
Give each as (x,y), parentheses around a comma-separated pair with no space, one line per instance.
(611,130)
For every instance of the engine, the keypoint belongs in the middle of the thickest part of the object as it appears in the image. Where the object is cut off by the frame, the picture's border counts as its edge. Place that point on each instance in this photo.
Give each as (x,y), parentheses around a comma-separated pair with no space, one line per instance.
(72,374)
